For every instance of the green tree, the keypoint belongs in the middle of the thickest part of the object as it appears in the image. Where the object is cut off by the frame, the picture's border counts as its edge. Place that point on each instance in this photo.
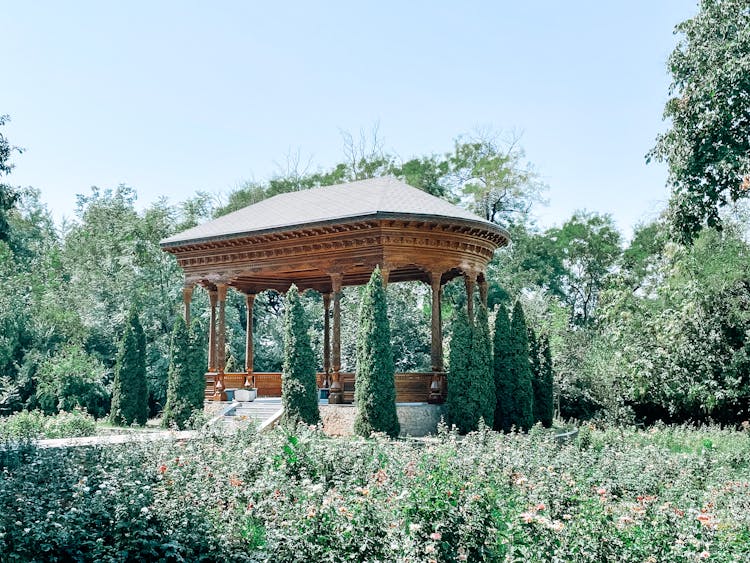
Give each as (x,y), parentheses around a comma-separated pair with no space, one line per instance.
(482,368)
(299,390)
(130,389)
(375,390)
(587,247)
(707,147)
(500,184)
(522,412)
(8,196)
(544,393)
(461,406)
(535,365)
(471,389)
(502,371)
(186,382)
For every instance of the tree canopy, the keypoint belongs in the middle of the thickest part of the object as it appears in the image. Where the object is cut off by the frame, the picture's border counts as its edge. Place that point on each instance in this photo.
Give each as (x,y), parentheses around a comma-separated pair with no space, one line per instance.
(707,146)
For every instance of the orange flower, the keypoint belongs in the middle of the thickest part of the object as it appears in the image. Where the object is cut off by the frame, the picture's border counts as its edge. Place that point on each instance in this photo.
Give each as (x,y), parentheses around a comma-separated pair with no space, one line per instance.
(162,469)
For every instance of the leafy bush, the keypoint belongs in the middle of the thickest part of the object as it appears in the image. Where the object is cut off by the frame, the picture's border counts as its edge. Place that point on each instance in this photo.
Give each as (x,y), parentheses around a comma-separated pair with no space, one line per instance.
(29,425)
(72,379)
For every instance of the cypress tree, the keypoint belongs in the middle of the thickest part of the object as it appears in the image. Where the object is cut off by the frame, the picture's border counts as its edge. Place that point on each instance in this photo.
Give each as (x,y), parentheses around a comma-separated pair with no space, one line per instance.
(462,409)
(535,365)
(481,356)
(186,386)
(502,368)
(471,390)
(522,414)
(299,389)
(375,389)
(546,395)
(130,388)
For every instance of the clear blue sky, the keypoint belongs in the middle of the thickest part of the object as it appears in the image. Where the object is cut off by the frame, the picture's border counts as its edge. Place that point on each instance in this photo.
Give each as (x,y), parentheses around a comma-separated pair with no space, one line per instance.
(174,97)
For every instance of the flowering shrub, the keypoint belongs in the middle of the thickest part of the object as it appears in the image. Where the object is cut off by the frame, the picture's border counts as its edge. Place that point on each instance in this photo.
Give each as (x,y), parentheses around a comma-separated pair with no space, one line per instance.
(666,494)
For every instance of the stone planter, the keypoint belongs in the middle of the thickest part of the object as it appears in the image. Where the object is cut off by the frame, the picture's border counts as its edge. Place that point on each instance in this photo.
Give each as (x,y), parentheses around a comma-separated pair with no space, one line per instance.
(245,395)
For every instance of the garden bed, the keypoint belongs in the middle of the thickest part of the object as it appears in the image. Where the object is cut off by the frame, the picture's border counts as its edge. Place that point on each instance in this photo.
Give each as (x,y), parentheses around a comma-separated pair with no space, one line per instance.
(666,494)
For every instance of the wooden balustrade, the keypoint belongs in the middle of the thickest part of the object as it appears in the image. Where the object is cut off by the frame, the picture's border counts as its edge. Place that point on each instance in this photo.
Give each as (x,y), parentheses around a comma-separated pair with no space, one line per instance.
(410,387)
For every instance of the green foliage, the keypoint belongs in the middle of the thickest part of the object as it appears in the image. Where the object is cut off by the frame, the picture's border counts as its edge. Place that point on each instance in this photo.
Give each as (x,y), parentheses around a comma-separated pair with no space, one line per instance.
(8,196)
(299,389)
(673,493)
(187,383)
(504,388)
(522,409)
(471,389)
(26,425)
(544,388)
(535,365)
(682,348)
(587,246)
(129,389)
(72,379)
(707,146)
(483,369)
(501,184)
(375,390)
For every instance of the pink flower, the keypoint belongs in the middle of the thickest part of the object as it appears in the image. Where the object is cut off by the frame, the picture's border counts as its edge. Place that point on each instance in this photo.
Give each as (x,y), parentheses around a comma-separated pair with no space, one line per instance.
(540,506)
(437,536)
(704,555)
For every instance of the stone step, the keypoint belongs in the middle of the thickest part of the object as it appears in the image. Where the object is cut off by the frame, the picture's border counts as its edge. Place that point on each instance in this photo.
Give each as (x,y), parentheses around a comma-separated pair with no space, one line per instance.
(265,413)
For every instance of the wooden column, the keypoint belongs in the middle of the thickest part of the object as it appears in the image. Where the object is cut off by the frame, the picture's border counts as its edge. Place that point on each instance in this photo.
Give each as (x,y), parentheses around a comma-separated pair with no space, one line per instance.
(483,290)
(326,340)
(436,347)
(336,395)
(471,281)
(187,297)
(219,394)
(212,297)
(250,377)
(385,273)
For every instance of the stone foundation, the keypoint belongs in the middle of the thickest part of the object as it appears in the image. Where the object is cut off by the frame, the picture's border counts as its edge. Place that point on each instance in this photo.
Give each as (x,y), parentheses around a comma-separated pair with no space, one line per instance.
(416,419)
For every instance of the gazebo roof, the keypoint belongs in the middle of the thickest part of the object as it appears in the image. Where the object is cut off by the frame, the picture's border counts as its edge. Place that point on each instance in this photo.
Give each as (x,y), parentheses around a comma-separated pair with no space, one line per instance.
(385,197)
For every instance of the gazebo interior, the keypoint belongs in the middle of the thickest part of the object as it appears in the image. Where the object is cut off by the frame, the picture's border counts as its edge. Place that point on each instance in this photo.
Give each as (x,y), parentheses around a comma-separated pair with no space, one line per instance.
(324,239)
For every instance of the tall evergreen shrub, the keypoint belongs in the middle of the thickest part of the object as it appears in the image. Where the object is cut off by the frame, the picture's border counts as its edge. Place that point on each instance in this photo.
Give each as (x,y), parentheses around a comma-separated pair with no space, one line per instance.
(504,387)
(546,388)
(375,389)
(186,380)
(471,390)
(522,413)
(299,390)
(130,389)
(535,363)
(482,366)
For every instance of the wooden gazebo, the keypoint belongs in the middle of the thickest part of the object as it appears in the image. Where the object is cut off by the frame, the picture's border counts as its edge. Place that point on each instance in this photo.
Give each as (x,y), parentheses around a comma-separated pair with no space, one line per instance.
(323,239)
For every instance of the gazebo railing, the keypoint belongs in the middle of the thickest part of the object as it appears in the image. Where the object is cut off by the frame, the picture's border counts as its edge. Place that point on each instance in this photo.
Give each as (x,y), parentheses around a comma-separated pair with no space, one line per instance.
(410,387)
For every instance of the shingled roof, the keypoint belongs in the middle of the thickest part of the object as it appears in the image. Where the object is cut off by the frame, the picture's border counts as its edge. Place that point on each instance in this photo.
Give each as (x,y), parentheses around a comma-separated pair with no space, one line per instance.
(372,198)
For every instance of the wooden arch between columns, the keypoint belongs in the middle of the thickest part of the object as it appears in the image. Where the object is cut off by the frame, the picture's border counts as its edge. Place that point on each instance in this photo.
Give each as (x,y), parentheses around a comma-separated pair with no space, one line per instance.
(327,258)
